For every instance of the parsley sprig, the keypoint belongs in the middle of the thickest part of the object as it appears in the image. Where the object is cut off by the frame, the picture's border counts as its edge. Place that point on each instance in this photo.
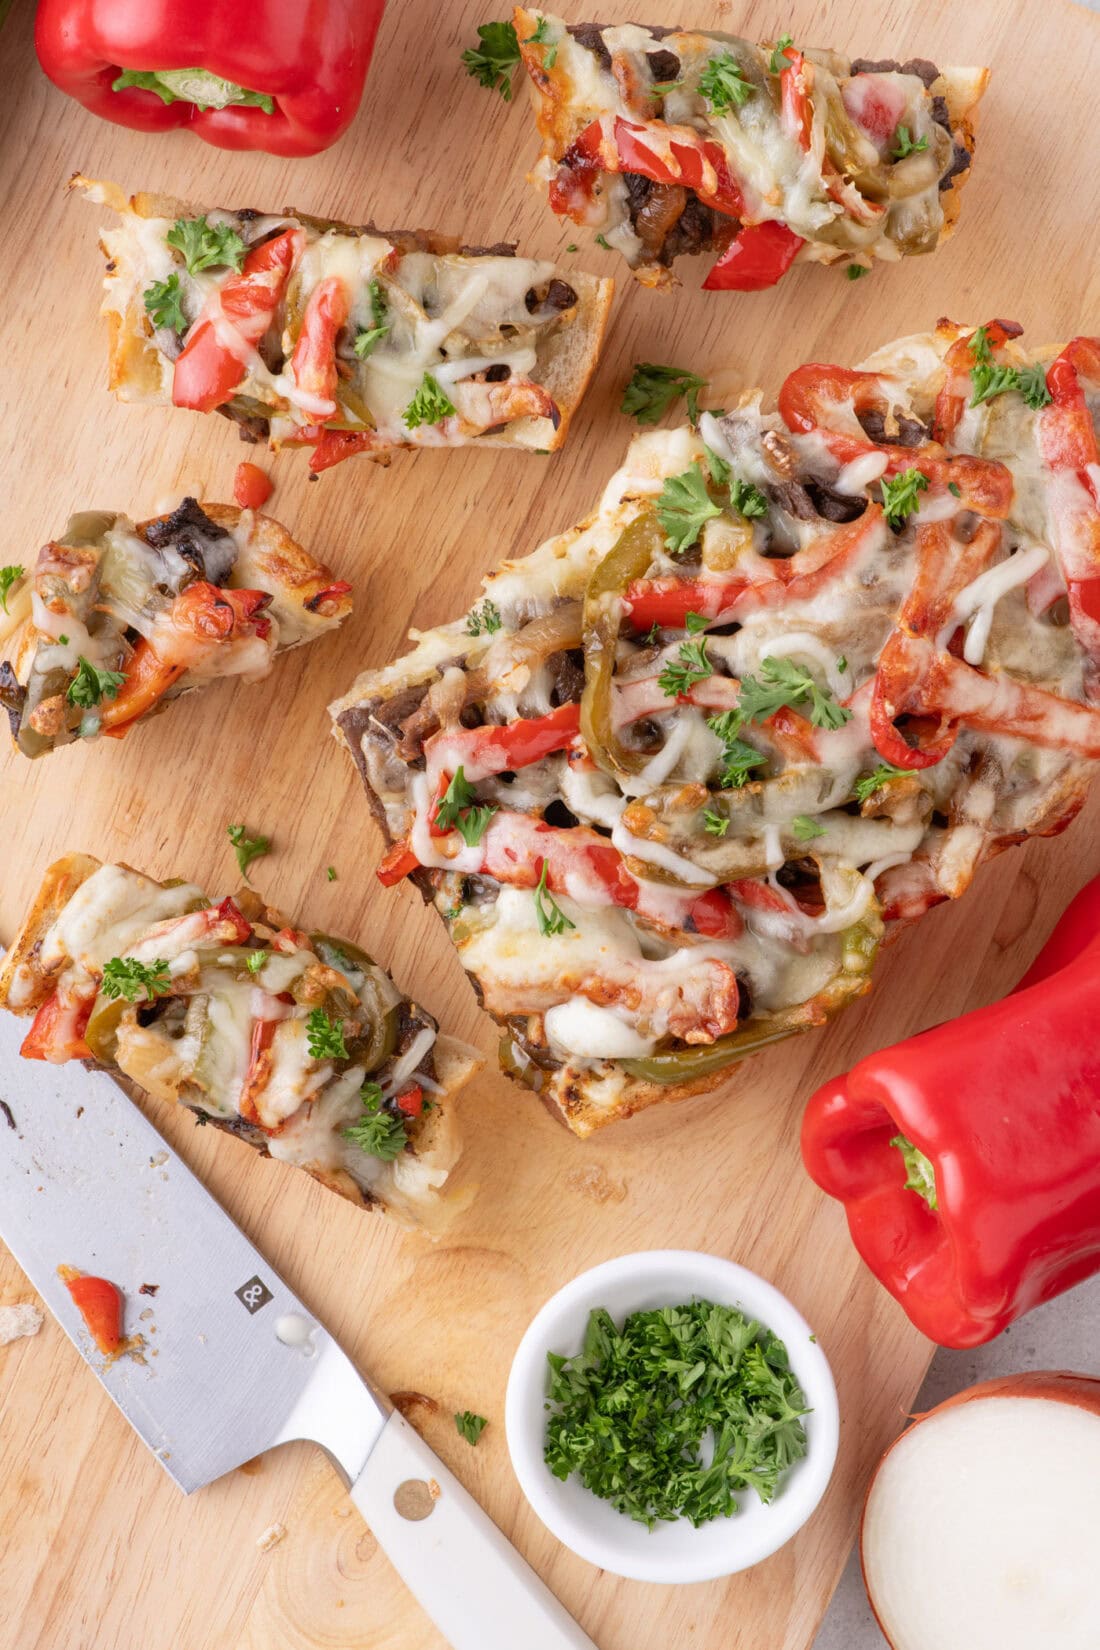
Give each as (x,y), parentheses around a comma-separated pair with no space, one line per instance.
(379,1133)
(679,676)
(206,245)
(989,378)
(899,494)
(492,62)
(714,823)
(163,302)
(485,617)
(127,977)
(471,1426)
(746,499)
(325,1036)
(683,507)
(778,61)
(9,576)
(738,756)
(366,340)
(782,683)
(551,918)
(90,684)
(806,829)
(723,84)
(456,810)
(430,405)
(872,782)
(247,848)
(653,389)
(906,144)
(632,1414)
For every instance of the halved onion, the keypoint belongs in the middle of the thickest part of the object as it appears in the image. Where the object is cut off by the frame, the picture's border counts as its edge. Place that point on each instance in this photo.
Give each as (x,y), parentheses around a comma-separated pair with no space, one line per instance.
(980,1524)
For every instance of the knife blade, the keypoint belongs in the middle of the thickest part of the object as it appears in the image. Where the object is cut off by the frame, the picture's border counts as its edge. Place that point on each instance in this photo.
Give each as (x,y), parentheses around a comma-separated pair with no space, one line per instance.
(238,1365)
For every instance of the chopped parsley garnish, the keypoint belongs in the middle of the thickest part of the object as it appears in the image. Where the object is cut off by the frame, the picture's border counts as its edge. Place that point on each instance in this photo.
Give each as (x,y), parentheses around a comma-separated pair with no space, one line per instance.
(164,304)
(63,639)
(429,405)
(738,756)
(129,978)
(683,507)
(370,336)
(206,245)
(671,1414)
(325,1036)
(455,811)
(989,378)
(9,576)
(953,487)
(695,622)
(485,617)
(255,961)
(842,664)
(572,247)
(783,683)
(379,1133)
(920,1176)
(871,782)
(723,84)
(679,676)
(907,144)
(653,632)
(720,469)
(492,63)
(551,918)
(541,37)
(777,62)
(247,848)
(663,87)
(652,390)
(471,1426)
(90,684)
(899,496)
(805,828)
(1031,382)
(602,240)
(856,272)
(330,872)
(746,499)
(714,823)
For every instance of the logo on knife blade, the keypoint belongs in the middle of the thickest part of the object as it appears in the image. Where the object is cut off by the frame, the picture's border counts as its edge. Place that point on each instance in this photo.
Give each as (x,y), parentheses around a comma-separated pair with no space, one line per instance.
(254,1294)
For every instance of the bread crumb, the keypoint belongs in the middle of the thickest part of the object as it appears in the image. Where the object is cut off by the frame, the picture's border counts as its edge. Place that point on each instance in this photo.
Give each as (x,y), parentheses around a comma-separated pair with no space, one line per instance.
(271,1537)
(16,1321)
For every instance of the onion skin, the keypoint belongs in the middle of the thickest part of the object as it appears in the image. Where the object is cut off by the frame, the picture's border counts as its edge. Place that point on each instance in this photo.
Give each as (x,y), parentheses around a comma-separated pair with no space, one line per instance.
(1054,1385)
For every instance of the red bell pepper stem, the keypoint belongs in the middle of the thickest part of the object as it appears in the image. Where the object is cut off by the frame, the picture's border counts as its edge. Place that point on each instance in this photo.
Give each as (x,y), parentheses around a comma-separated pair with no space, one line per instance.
(308,58)
(1005,1104)
(213,361)
(99,1304)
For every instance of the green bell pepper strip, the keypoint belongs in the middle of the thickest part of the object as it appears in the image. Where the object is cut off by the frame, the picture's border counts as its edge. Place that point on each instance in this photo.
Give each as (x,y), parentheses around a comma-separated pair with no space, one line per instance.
(639,545)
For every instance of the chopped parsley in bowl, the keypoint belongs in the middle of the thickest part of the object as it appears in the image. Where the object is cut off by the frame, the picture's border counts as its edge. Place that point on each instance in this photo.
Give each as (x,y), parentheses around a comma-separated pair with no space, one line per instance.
(671,1417)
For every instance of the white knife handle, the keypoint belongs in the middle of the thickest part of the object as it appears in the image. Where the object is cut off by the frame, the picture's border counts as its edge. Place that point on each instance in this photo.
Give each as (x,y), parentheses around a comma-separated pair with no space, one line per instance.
(471,1581)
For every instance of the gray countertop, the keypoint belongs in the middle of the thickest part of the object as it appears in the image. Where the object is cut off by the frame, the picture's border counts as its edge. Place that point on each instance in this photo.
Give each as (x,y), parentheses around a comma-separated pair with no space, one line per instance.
(1065,1334)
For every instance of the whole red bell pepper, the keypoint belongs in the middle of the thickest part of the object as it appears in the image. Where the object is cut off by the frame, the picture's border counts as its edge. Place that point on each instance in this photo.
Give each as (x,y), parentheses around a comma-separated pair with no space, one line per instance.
(968,1158)
(284,76)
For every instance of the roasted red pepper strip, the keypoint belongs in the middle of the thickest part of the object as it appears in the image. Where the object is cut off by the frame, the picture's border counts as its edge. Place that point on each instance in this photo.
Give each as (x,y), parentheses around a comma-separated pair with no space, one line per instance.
(1004,1103)
(755,259)
(213,361)
(411,1102)
(958,387)
(1067,441)
(298,65)
(99,1304)
(314,360)
(57,1030)
(509,746)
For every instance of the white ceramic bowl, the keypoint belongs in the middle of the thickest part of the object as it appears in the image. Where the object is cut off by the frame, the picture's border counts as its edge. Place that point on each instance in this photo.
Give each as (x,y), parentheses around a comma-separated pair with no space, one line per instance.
(672,1552)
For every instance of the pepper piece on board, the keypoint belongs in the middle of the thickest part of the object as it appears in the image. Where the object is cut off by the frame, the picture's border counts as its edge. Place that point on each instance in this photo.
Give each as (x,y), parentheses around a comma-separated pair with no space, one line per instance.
(1004,1103)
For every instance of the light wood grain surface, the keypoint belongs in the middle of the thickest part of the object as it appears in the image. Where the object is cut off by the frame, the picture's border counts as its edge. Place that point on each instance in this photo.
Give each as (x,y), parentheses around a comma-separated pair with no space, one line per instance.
(97,1548)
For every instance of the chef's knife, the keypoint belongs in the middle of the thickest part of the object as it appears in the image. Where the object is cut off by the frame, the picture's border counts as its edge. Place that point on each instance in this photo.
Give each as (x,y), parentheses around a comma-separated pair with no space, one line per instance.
(87,1181)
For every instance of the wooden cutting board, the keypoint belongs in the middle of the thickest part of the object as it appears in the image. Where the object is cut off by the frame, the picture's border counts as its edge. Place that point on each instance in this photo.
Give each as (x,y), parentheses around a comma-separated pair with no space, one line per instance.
(98,1546)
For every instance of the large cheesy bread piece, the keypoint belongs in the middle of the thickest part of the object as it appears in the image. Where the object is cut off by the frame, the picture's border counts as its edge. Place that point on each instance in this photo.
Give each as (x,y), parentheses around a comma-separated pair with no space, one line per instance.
(675,775)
